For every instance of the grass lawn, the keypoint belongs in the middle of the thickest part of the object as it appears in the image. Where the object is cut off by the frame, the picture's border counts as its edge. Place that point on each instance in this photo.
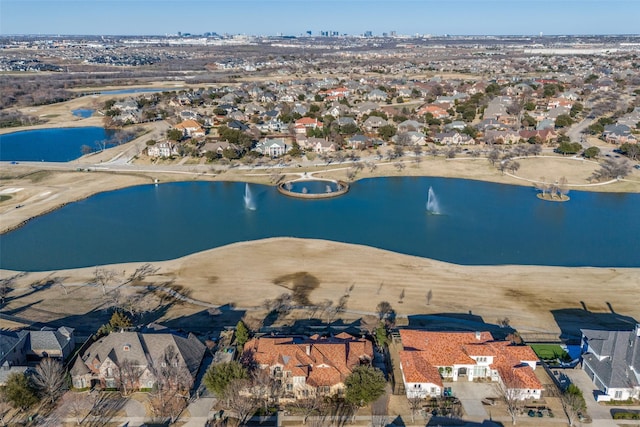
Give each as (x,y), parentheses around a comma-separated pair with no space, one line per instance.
(548,351)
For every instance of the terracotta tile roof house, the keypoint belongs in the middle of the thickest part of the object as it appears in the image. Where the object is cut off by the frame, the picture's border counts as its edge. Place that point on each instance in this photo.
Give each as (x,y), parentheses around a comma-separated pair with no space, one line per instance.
(310,366)
(99,364)
(428,357)
(301,125)
(190,128)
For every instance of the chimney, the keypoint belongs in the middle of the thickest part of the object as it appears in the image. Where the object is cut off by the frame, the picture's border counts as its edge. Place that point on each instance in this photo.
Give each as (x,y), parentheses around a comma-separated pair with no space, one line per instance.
(478,335)
(308,349)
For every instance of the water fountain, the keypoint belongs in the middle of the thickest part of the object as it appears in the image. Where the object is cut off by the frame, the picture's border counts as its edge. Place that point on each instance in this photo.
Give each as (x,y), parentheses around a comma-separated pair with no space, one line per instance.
(433,207)
(313,188)
(249,203)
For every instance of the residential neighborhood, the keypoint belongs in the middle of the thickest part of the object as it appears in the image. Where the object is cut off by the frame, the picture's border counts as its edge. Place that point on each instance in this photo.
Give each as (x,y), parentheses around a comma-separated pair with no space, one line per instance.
(246,334)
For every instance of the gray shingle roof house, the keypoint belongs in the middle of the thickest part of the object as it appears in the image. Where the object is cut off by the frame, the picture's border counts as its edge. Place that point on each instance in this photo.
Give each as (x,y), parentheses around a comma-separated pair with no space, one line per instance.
(612,361)
(99,364)
(48,342)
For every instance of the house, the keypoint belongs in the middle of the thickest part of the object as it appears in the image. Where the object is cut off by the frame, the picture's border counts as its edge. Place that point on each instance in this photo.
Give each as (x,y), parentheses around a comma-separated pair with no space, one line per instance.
(321,145)
(359,142)
(49,342)
(410,126)
(455,125)
(373,123)
(435,110)
(410,138)
(618,134)
(272,147)
(612,361)
(501,137)
(376,95)
(162,149)
(545,135)
(429,357)
(310,366)
(453,138)
(190,128)
(301,125)
(100,363)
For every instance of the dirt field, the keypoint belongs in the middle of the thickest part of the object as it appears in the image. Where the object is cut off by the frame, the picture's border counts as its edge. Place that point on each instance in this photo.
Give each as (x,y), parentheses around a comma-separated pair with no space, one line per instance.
(535,299)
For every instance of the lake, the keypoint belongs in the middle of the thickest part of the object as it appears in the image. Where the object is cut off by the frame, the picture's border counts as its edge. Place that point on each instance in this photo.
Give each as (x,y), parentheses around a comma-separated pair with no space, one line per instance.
(50,145)
(478,223)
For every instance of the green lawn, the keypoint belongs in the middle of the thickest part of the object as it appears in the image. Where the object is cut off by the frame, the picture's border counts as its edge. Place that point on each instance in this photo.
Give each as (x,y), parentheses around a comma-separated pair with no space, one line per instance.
(548,351)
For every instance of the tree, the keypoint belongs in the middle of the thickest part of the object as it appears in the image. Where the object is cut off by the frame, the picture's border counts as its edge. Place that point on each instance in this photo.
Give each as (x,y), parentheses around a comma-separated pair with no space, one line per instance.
(364,385)
(220,375)
(493,156)
(174,134)
(173,382)
(381,335)
(568,147)
(129,373)
(19,391)
(383,309)
(119,320)
(241,403)
(104,278)
(611,169)
(632,151)
(414,404)
(386,132)
(49,378)
(429,296)
(573,403)
(512,397)
(576,109)
(591,153)
(563,120)
(242,334)
(309,406)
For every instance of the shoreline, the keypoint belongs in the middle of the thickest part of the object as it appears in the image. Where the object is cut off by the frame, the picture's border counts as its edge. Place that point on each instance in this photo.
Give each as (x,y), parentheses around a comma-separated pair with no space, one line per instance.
(527,295)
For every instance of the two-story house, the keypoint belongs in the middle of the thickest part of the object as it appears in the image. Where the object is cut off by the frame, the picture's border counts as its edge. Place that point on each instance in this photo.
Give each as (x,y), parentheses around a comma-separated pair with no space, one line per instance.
(612,361)
(429,357)
(310,366)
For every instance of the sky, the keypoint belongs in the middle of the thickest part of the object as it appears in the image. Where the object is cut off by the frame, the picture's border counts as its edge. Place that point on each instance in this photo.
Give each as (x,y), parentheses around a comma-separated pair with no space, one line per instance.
(296,17)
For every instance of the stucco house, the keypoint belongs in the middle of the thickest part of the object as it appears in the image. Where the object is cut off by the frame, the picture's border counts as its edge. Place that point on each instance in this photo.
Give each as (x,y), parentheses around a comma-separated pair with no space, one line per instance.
(429,357)
(612,361)
(310,366)
(100,364)
(190,128)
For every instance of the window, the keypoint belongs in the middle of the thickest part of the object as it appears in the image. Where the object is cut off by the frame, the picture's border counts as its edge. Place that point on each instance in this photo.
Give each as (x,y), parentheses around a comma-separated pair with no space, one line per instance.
(618,394)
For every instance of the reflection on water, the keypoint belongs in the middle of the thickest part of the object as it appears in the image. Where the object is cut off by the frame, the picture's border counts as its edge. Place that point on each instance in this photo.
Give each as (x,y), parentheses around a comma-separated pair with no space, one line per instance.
(484,223)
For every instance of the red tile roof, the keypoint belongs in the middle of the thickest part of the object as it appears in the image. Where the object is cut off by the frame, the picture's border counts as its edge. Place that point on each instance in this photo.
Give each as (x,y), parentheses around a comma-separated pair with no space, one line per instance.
(323,361)
(425,350)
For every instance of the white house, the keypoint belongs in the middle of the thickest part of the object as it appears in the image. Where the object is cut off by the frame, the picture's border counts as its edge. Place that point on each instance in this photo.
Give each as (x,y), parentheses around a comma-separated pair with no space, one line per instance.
(612,361)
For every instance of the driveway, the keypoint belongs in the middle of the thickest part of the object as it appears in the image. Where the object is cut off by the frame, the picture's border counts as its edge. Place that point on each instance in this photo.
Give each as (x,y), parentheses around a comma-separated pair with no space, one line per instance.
(471,395)
(599,413)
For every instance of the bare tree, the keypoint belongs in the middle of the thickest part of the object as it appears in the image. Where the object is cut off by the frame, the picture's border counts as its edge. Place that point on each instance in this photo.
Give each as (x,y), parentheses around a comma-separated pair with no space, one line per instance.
(265,387)
(104,278)
(5,407)
(309,406)
(79,405)
(415,404)
(429,296)
(563,187)
(173,382)
(572,403)
(239,401)
(129,372)
(399,165)
(49,378)
(401,298)
(512,397)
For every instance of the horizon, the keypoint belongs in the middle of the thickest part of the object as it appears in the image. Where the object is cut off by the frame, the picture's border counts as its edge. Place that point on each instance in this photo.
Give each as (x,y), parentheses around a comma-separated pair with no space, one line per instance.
(437,18)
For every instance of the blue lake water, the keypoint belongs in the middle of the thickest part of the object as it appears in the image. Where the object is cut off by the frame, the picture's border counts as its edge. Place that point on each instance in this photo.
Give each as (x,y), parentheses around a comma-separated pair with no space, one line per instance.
(479,224)
(83,112)
(50,145)
(136,90)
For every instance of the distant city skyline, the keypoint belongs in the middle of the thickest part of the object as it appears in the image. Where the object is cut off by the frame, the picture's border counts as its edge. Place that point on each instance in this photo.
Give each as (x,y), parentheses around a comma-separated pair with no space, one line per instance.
(297,17)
